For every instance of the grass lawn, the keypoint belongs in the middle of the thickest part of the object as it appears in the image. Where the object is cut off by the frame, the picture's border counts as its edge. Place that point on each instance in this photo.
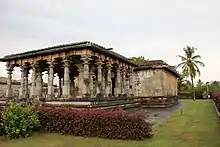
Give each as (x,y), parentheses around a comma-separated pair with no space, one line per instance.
(198,126)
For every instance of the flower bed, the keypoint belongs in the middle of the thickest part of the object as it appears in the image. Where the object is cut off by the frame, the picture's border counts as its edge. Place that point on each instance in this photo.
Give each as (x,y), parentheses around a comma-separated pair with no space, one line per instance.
(216,98)
(112,124)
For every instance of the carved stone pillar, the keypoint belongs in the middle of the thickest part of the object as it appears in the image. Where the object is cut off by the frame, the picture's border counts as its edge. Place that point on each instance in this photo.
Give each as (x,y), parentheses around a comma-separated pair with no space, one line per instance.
(86,60)
(60,87)
(123,83)
(130,82)
(21,90)
(9,81)
(99,76)
(74,93)
(109,80)
(91,85)
(118,82)
(66,86)
(80,80)
(39,82)
(127,86)
(136,81)
(33,81)
(26,90)
(50,80)
(133,83)
(103,82)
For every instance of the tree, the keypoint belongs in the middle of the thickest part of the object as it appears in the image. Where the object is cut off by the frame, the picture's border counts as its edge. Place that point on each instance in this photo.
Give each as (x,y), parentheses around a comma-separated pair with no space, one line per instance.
(139,59)
(183,85)
(189,64)
(199,83)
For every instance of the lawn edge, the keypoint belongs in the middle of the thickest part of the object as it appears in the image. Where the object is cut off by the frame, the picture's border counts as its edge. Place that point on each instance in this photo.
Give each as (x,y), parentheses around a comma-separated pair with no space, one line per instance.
(163,120)
(218,113)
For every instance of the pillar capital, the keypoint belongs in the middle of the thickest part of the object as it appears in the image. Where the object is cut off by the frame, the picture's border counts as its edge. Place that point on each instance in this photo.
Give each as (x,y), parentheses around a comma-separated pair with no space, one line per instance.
(51,64)
(9,65)
(9,68)
(85,59)
(23,66)
(80,67)
(109,65)
(66,63)
(124,69)
(99,63)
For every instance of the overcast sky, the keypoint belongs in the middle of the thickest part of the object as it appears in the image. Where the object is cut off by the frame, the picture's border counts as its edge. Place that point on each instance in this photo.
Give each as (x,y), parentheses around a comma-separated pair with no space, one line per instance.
(156,29)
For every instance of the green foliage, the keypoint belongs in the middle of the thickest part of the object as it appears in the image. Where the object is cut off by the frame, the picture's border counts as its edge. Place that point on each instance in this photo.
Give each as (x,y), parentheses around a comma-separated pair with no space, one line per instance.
(1,125)
(19,121)
(202,89)
(189,64)
(139,59)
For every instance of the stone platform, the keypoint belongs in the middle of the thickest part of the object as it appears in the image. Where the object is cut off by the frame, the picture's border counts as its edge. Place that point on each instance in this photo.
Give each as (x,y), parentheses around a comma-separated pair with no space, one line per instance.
(111,102)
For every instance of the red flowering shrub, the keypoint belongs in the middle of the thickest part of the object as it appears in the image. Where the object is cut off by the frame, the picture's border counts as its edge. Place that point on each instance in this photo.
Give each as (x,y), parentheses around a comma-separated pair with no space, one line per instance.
(112,124)
(216,98)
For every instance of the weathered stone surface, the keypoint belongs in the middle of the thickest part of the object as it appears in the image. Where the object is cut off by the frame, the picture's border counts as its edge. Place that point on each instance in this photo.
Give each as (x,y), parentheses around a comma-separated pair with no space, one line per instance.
(156,82)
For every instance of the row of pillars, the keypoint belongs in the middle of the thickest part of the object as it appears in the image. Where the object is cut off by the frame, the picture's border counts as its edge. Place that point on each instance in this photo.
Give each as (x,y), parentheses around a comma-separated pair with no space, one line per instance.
(103,85)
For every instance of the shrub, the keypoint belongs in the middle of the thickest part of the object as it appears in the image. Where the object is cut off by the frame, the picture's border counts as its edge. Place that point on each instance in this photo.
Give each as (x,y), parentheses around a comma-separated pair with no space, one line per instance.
(1,125)
(18,121)
(216,98)
(112,124)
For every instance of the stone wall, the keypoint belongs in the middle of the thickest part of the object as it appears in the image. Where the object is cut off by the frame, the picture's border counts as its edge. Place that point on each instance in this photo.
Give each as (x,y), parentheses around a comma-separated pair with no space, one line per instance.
(170,83)
(157,82)
(150,83)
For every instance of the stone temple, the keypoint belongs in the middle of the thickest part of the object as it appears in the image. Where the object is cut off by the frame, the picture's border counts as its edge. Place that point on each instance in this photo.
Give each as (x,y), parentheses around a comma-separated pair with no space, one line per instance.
(86,71)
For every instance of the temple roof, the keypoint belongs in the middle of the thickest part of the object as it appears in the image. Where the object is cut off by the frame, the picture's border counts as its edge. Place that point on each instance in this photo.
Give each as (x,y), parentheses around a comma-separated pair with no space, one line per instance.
(150,64)
(157,64)
(65,47)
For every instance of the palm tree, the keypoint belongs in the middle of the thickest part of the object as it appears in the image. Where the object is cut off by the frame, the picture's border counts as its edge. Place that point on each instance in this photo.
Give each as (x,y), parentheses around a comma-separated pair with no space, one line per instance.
(189,64)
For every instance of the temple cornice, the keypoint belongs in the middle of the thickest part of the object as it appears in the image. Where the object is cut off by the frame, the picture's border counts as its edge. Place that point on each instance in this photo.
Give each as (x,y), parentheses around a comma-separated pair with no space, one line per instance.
(66,48)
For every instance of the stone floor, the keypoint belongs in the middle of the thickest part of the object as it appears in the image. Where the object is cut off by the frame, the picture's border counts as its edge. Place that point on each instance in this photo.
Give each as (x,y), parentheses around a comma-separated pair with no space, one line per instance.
(156,115)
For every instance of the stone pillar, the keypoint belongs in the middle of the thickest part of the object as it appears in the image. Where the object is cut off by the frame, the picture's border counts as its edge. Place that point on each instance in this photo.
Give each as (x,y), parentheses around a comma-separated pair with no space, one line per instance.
(132,83)
(109,80)
(50,80)
(66,86)
(123,83)
(91,85)
(99,77)
(9,81)
(39,82)
(33,81)
(60,87)
(118,82)
(86,60)
(26,90)
(103,82)
(73,87)
(80,80)
(128,85)
(136,89)
(21,90)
